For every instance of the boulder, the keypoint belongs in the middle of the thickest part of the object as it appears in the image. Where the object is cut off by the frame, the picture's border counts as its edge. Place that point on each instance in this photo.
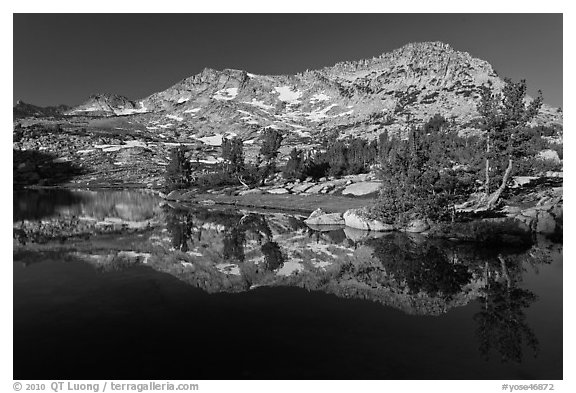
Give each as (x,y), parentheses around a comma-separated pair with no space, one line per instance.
(315,189)
(549,155)
(280,190)
(417,226)
(532,213)
(302,187)
(362,188)
(545,223)
(554,174)
(511,210)
(253,191)
(557,210)
(175,195)
(361,177)
(528,221)
(523,181)
(319,217)
(317,213)
(355,218)
(187,196)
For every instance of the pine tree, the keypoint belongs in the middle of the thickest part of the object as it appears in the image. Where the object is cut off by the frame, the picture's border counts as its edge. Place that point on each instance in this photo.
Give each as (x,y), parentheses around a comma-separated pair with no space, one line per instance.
(233,155)
(271,141)
(336,156)
(503,116)
(179,171)
(295,166)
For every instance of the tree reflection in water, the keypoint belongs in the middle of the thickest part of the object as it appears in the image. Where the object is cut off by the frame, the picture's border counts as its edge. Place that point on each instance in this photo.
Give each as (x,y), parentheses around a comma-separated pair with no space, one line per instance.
(273,257)
(179,225)
(502,325)
(442,270)
(422,265)
(234,244)
(237,229)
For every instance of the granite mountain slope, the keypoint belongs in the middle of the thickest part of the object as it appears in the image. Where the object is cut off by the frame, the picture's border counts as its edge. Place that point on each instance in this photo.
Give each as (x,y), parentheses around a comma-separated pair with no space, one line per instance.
(360,98)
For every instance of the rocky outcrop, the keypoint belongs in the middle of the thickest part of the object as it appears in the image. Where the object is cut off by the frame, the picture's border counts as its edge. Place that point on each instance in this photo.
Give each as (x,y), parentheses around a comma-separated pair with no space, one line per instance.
(362,188)
(175,195)
(319,217)
(106,105)
(278,191)
(542,219)
(357,218)
(416,226)
(23,110)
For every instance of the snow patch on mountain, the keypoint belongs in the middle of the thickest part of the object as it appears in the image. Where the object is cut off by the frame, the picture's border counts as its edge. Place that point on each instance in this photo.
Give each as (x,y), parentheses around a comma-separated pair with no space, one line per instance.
(215,140)
(89,109)
(193,110)
(259,104)
(174,117)
(286,94)
(319,97)
(344,114)
(318,115)
(226,94)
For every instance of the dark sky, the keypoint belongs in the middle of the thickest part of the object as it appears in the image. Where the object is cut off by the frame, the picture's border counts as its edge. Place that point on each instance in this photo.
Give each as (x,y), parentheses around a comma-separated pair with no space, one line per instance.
(63,58)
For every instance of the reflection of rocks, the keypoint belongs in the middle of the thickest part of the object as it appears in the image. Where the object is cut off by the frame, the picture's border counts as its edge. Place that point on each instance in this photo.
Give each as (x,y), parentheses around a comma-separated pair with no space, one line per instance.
(133,212)
(229,250)
(324,228)
(80,214)
(359,235)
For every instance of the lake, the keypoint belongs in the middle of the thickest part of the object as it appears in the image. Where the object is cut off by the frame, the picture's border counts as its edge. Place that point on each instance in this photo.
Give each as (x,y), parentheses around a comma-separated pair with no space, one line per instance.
(120,285)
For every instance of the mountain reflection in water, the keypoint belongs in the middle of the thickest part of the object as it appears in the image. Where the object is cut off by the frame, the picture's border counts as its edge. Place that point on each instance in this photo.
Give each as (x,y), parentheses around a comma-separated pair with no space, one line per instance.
(224,250)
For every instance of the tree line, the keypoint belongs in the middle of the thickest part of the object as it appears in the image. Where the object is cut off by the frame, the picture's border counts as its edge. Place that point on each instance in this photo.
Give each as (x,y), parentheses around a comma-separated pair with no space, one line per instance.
(424,174)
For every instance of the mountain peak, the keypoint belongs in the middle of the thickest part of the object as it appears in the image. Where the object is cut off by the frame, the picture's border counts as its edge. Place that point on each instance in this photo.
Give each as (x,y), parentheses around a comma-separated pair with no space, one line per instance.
(394,91)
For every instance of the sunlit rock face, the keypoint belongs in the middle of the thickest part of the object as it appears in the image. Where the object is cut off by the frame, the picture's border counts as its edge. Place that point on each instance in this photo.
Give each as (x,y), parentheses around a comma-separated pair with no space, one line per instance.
(394,90)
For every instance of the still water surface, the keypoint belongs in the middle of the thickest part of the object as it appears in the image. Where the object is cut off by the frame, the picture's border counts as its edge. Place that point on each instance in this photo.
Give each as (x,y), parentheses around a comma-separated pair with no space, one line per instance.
(111,284)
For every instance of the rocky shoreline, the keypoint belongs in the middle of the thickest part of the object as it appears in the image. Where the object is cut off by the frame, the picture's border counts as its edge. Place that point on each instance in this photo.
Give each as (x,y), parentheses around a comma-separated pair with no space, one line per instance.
(539,211)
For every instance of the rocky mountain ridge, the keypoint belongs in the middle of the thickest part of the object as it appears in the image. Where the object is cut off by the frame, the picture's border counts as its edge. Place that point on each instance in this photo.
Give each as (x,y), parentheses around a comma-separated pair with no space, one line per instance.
(393,91)
(23,110)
